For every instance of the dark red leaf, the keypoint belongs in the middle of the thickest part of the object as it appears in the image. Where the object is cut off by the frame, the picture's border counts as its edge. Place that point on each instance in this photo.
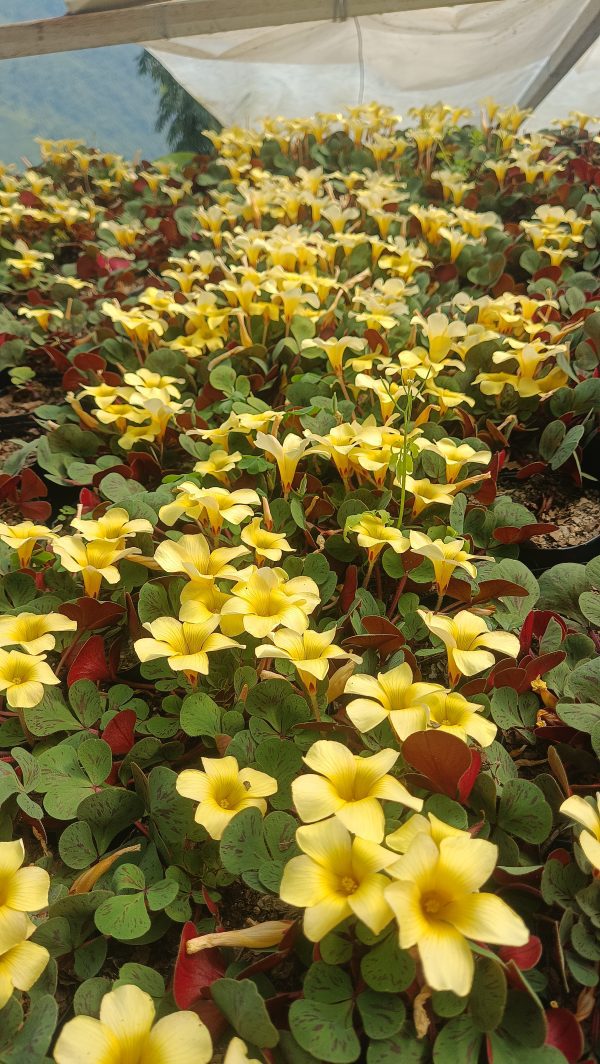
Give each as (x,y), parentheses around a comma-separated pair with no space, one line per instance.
(449,765)
(564,1033)
(531,470)
(193,975)
(494,589)
(540,666)
(90,663)
(525,957)
(120,731)
(91,614)
(509,534)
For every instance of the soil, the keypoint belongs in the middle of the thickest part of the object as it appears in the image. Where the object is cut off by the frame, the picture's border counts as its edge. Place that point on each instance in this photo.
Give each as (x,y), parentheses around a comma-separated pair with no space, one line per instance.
(21,402)
(575,510)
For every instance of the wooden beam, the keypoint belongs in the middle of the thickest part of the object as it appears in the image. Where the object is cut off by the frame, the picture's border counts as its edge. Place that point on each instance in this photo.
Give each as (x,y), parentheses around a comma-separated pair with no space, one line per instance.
(168,19)
(580,36)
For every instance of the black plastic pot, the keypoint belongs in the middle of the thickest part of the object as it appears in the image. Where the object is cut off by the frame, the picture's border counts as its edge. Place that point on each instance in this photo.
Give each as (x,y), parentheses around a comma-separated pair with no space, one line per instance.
(538,559)
(15,425)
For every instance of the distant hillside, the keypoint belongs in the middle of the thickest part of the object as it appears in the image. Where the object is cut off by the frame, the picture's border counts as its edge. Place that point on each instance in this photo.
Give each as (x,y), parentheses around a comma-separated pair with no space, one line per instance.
(96,95)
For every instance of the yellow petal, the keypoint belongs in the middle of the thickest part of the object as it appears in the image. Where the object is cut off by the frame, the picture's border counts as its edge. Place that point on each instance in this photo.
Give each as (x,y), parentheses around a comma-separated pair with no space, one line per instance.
(466,863)
(305,883)
(191,783)
(23,964)
(487,918)
(315,798)
(14,927)
(129,1013)
(328,843)
(368,903)
(578,809)
(85,1040)
(28,890)
(260,784)
(12,855)
(322,918)
(447,960)
(591,848)
(180,1038)
(363,818)
(404,900)
(334,761)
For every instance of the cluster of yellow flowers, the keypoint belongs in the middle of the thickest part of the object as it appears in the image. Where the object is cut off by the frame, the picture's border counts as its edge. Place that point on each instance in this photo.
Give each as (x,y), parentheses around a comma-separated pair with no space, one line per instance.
(140,408)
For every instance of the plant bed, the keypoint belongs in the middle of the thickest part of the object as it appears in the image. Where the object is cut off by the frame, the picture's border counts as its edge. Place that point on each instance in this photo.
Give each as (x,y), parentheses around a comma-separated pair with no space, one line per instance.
(299,728)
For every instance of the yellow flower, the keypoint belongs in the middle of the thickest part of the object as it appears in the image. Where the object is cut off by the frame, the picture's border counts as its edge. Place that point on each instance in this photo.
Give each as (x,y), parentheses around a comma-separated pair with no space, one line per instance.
(310,652)
(126,1033)
(113,526)
(286,454)
(401,839)
(374,534)
(456,455)
(393,695)
(185,646)
(33,631)
(22,678)
(21,964)
(584,813)
(237,1053)
(224,789)
(349,787)
(23,538)
(41,315)
(29,259)
(267,600)
(265,544)
(22,891)
(425,493)
(211,506)
(96,560)
(257,936)
(468,641)
(441,334)
(201,599)
(337,877)
(192,555)
(335,349)
(445,556)
(438,906)
(452,712)
(218,465)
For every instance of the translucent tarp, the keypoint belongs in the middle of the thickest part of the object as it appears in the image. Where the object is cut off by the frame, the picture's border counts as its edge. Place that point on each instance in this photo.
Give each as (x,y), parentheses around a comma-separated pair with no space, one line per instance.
(459,54)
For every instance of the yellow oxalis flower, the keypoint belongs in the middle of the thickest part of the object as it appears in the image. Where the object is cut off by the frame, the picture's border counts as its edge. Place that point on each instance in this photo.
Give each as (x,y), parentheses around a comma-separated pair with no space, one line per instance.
(267,600)
(468,641)
(218,464)
(446,556)
(456,455)
(430,825)
(584,813)
(237,1053)
(373,533)
(192,555)
(126,1033)
(393,695)
(210,506)
(224,789)
(426,493)
(349,787)
(264,543)
(22,891)
(23,538)
(95,560)
(452,712)
(113,526)
(33,632)
(310,652)
(286,454)
(437,903)
(201,599)
(21,964)
(337,877)
(185,646)
(22,678)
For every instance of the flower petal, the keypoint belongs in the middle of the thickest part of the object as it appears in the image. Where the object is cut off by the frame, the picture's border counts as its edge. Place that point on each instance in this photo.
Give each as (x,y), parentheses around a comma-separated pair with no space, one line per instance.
(488,919)
(129,1013)
(28,889)
(369,903)
(85,1040)
(447,959)
(466,863)
(315,798)
(180,1038)
(322,918)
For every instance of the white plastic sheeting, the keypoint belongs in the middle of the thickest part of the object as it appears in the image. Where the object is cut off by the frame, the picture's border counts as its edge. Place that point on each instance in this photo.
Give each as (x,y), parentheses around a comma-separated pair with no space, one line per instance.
(459,54)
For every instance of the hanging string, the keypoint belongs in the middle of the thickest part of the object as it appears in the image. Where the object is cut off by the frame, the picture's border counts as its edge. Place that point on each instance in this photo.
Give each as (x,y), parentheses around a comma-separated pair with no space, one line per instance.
(361,61)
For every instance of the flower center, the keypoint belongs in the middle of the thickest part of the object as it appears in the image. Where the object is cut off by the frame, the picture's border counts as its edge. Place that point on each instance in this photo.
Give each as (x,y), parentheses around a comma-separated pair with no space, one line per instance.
(432,903)
(349,885)
(224,803)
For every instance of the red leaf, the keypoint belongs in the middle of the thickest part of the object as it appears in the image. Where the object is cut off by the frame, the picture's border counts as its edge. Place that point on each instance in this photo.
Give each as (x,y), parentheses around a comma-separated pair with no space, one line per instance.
(531,470)
(91,614)
(447,764)
(564,1033)
(525,957)
(519,535)
(193,975)
(382,636)
(540,666)
(119,732)
(349,588)
(536,623)
(493,589)
(90,663)
(88,500)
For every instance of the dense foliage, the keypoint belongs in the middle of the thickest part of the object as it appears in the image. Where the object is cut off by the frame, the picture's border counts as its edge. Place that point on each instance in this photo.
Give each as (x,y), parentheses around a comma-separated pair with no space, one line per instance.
(298,756)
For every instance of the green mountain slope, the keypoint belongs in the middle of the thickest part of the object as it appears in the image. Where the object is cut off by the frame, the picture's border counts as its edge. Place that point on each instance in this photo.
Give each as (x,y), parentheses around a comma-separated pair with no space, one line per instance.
(96,95)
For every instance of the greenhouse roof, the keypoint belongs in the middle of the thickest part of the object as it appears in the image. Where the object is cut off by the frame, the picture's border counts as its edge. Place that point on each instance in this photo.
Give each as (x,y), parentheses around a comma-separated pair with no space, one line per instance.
(245,60)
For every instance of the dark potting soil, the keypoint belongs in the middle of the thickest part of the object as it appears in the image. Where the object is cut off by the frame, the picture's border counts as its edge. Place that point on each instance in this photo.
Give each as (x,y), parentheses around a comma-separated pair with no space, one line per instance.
(576,510)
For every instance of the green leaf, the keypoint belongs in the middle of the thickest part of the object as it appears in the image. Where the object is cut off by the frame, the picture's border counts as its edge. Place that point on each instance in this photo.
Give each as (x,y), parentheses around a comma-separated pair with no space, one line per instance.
(460,1041)
(95,757)
(90,957)
(86,701)
(276,702)
(488,996)
(513,610)
(325,1030)
(108,812)
(76,846)
(172,816)
(283,760)
(560,588)
(524,811)
(161,894)
(589,604)
(87,998)
(387,968)
(508,1051)
(584,682)
(401,1049)
(33,1040)
(327,982)
(567,447)
(524,1018)
(50,715)
(139,975)
(382,1014)
(551,438)
(200,715)
(55,935)
(124,917)
(153,602)
(584,716)
(447,1004)
(242,845)
(244,1008)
